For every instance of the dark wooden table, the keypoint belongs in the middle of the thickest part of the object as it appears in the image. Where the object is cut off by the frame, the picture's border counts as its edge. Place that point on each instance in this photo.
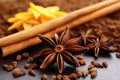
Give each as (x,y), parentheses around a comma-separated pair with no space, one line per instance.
(110,73)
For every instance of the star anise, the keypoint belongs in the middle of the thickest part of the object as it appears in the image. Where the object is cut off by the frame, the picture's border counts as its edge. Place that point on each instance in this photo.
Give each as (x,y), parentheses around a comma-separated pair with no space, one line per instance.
(85,35)
(97,44)
(59,50)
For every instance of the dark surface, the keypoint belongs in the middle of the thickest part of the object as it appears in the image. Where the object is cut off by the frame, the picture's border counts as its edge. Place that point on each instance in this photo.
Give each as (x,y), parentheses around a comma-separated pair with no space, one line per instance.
(110,73)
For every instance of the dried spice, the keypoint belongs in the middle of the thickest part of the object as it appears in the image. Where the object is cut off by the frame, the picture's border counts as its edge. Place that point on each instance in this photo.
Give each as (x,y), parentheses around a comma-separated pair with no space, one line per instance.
(73,76)
(97,44)
(85,35)
(90,66)
(33,66)
(60,50)
(25,55)
(98,65)
(66,77)
(30,59)
(32,72)
(93,74)
(27,65)
(59,77)
(4,66)
(44,77)
(14,64)
(92,70)
(93,62)
(16,72)
(18,57)
(79,73)
(84,73)
(118,55)
(9,68)
(23,72)
(53,77)
(105,64)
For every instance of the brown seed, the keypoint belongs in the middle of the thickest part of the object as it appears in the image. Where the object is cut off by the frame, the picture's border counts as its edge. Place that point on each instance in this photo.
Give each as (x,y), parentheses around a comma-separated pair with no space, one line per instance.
(92,70)
(4,66)
(23,72)
(30,59)
(66,77)
(79,73)
(33,66)
(25,55)
(59,77)
(44,77)
(14,64)
(93,62)
(105,64)
(9,68)
(82,62)
(84,73)
(98,65)
(118,55)
(16,72)
(90,66)
(73,76)
(27,65)
(93,74)
(53,77)
(80,57)
(31,72)
(18,57)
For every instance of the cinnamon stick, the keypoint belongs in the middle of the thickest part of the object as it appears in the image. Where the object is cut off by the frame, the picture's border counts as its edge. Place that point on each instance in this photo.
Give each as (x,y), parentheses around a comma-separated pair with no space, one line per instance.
(48,26)
(10,49)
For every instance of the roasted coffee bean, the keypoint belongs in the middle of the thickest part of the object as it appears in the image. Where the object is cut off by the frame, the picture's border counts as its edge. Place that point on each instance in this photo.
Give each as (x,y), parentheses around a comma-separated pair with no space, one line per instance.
(9,68)
(16,72)
(59,77)
(31,72)
(80,57)
(98,65)
(27,65)
(79,73)
(82,62)
(23,72)
(14,64)
(25,55)
(105,64)
(30,59)
(33,66)
(73,76)
(18,57)
(93,74)
(118,55)
(66,77)
(44,77)
(92,70)
(93,62)
(53,77)
(4,66)
(84,73)
(90,66)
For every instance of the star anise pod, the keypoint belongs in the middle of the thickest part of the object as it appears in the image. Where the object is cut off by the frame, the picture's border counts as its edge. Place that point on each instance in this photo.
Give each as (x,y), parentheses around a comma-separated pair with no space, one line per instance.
(59,50)
(85,35)
(97,44)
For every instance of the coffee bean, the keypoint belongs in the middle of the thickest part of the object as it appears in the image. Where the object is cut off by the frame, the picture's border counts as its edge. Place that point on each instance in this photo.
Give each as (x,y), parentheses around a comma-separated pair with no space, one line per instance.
(66,77)
(25,55)
(53,77)
(105,64)
(84,73)
(73,76)
(118,55)
(79,73)
(44,77)
(14,64)
(93,62)
(18,57)
(90,66)
(27,65)
(98,65)
(93,74)
(31,72)
(23,72)
(59,77)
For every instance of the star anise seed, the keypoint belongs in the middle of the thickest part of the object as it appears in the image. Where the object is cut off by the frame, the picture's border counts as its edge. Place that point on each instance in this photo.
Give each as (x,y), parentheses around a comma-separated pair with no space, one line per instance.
(97,44)
(60,50)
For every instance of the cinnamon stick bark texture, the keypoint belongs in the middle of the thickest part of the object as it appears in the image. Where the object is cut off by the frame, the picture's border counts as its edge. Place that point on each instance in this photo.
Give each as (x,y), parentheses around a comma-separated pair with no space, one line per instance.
(48,26)
(10,49)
